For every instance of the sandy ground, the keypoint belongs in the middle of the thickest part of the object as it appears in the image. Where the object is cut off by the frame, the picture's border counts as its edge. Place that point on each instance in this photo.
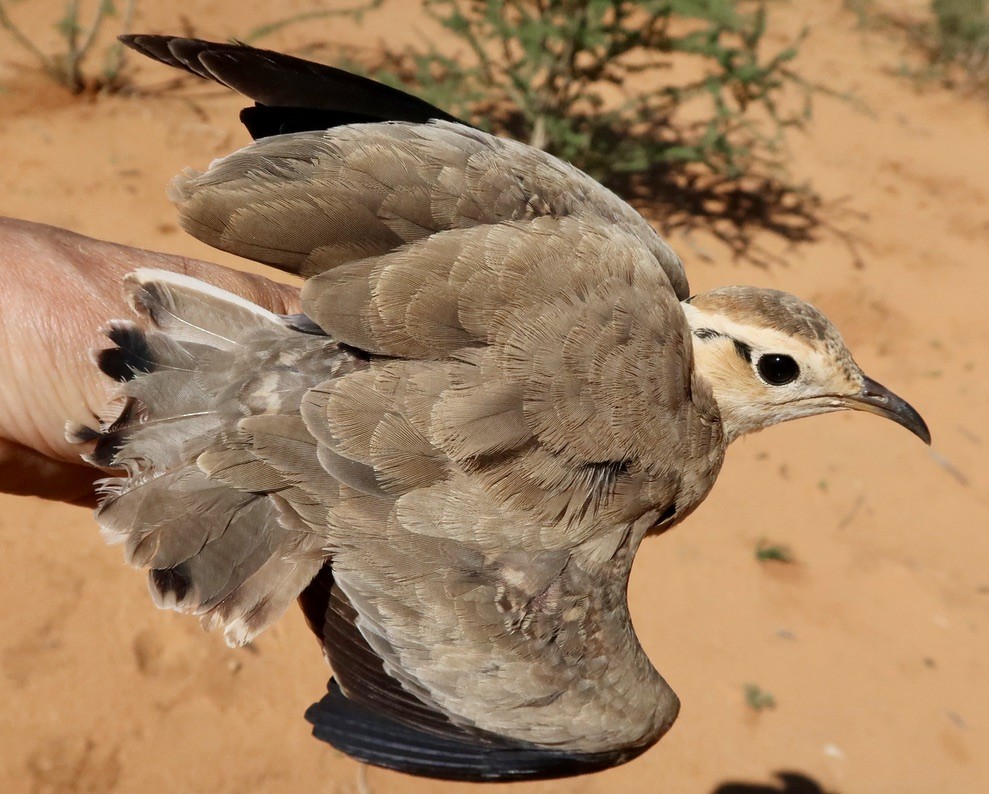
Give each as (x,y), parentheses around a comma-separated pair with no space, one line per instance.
(874,645)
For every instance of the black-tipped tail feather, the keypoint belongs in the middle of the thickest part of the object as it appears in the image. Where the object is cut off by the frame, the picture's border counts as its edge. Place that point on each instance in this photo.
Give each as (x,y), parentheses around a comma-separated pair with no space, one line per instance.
(215,547)
(131,356)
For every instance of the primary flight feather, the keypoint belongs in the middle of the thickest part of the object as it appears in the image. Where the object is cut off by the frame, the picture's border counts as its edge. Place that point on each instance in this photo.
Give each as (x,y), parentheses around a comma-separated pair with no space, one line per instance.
(497,387)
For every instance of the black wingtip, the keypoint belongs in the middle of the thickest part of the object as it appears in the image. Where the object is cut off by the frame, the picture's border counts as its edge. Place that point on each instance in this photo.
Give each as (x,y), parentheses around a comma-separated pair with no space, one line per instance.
(263,121)
(291,94)
(152,46)
(372,738)
(175,51)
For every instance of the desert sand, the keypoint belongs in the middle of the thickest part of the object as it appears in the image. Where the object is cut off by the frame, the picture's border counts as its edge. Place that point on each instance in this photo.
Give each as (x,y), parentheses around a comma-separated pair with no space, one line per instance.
(874,644)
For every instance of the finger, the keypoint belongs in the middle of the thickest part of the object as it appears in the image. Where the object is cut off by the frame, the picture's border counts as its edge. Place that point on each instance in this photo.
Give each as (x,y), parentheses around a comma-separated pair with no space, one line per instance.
(27,472)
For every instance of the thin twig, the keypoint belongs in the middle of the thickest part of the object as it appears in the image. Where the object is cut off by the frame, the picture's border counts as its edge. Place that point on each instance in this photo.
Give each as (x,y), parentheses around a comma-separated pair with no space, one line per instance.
(115,57)
(8,24)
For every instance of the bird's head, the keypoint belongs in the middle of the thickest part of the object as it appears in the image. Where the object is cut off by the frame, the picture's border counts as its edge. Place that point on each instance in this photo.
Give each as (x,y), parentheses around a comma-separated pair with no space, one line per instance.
(770,357)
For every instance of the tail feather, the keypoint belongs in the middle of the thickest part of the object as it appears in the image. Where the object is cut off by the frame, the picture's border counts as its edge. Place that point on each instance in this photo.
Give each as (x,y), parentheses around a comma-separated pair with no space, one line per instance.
(218,543)
(132,354)
(268,592)
(189,310)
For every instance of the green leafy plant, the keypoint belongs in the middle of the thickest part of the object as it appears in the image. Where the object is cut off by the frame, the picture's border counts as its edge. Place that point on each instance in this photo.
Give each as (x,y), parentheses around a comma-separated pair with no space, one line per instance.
(66,67)
(954,40)
(680,105)
(773,552)
(356,12)
(863,10)
(961,37)
(758,699)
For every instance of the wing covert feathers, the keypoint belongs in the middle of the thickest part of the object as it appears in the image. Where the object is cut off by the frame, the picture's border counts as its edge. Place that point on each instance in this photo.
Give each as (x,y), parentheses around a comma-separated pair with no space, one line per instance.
(311,201)
(503,446)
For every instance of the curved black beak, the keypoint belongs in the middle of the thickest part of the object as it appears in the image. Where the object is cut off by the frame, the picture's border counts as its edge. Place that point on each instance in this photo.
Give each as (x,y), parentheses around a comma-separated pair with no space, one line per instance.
(877,399)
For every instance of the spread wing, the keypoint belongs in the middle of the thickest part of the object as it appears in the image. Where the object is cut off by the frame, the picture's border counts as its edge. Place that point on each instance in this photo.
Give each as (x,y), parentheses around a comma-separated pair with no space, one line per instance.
(364,190)
(500,452)
(496,468)
(477,462)
(486,406)
(361,191)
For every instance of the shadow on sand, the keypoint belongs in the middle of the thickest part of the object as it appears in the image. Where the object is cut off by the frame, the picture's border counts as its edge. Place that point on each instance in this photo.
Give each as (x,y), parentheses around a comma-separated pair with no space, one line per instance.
(789,783)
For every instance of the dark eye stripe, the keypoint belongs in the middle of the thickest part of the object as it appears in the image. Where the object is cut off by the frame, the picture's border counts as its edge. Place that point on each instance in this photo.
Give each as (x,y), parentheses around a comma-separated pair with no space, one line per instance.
(743,350)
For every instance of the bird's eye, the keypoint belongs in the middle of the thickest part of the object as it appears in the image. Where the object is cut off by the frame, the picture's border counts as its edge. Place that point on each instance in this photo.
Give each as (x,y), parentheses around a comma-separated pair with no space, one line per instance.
(778,369)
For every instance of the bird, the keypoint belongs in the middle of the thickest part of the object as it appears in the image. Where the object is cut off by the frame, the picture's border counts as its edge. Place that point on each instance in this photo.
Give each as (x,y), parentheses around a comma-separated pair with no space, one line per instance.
(498,385)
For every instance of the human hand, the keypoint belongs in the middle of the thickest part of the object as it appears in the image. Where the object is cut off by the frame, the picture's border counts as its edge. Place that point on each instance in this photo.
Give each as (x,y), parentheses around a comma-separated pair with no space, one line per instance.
(57,290)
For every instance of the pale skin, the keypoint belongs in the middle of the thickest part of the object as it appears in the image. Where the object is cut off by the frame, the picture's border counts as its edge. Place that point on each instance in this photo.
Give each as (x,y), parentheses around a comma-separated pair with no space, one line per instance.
(57,289)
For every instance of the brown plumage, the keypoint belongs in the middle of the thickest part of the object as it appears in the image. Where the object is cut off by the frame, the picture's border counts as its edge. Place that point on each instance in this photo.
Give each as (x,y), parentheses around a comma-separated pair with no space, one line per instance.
(493,395)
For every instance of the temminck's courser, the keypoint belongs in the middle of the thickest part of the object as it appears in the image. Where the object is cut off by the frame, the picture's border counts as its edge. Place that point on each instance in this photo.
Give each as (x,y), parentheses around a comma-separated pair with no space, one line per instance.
(497,388)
